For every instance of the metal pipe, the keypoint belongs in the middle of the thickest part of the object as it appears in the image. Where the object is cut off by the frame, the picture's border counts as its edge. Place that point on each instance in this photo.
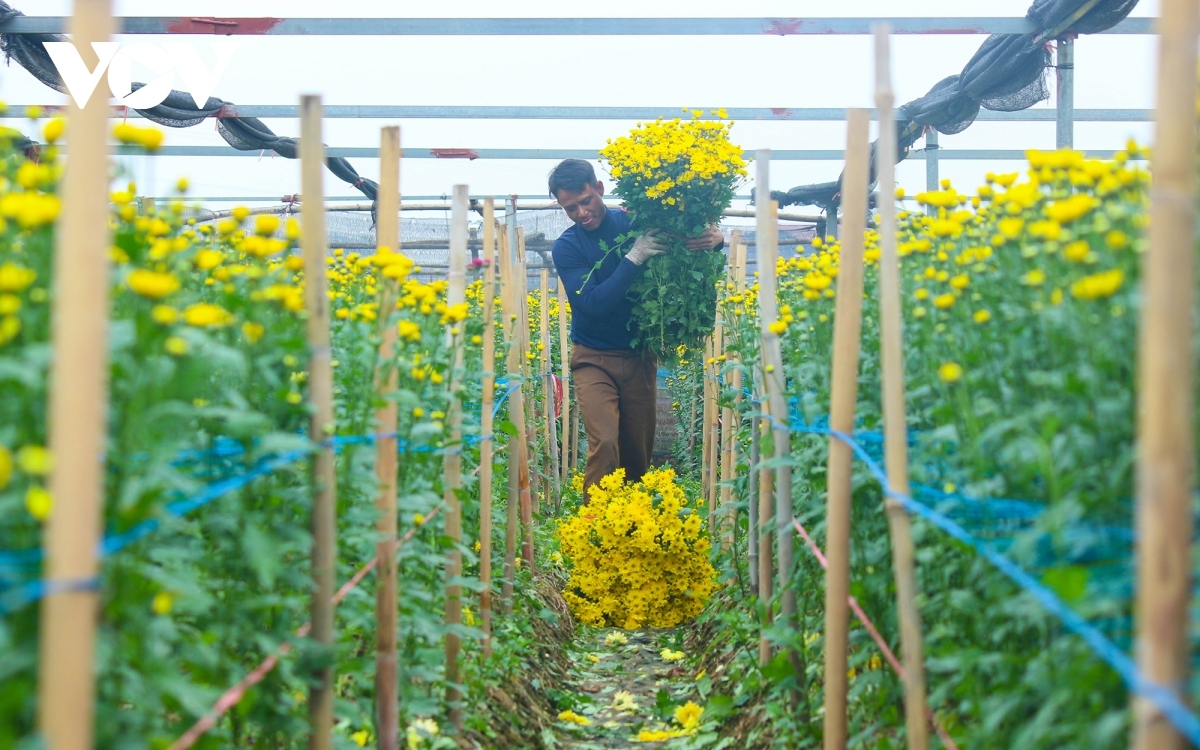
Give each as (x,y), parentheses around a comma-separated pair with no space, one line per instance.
(965,154)
(932,155)
(1065,66)
(405,112)
(552,26)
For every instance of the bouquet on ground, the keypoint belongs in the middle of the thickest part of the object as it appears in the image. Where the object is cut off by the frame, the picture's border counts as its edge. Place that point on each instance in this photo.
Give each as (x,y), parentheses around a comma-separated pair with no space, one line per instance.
(638,554)
(678,177)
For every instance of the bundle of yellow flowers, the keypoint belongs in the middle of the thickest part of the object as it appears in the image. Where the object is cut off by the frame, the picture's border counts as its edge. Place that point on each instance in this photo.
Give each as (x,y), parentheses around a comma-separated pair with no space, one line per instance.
(676,176)
(639,554)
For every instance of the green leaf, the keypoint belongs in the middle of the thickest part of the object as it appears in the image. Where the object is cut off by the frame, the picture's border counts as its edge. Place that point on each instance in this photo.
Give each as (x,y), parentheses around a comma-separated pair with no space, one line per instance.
(1069,582)
(505,426)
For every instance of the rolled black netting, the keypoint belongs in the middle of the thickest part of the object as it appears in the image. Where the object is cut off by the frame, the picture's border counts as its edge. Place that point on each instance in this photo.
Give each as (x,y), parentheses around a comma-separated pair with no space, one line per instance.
(1007,73)
(178,110)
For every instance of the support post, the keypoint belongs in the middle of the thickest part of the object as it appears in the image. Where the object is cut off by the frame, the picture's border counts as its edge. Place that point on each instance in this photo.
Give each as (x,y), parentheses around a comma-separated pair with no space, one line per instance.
(387,239)
(766,557)
(78,416)
(894,419)
(1166,448)
(552,485)
(730,415)
(513,352)
(775,388)
(1064,63)
(564,355)
(517,400)
(847,334)
(487,447)
(752,506)
(932,181)
(452,459)
(320,382)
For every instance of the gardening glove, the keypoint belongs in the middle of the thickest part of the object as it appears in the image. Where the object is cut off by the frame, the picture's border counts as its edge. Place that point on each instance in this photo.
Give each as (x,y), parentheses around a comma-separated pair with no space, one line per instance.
(645,247)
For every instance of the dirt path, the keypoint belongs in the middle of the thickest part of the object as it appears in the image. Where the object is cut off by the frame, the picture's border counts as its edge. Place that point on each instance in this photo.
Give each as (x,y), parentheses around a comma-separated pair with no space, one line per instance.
(620,683)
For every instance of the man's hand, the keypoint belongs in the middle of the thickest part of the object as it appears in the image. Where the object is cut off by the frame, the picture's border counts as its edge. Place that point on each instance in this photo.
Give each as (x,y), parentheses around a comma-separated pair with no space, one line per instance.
(710,239)
(646,247)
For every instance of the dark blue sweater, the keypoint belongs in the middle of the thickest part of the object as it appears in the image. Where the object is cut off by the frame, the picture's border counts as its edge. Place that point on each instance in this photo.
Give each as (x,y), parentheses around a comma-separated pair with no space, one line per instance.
(600,311)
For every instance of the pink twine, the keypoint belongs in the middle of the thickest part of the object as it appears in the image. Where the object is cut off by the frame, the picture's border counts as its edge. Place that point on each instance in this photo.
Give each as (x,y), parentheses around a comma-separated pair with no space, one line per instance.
(234,695)
(888,654)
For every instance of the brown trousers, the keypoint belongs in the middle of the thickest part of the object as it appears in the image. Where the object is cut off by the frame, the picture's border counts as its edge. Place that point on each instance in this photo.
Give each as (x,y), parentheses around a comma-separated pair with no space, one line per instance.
(618,397)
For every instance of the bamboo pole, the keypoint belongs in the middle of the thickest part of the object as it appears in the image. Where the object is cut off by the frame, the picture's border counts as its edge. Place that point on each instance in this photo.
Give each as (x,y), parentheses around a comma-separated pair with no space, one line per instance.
(487,426)
(765,555)
(705,390)
(1166,451)
(752,507)
(78,416)
(528,430)
(452,459)
(521,337)
(734,414)
(894,419)
(534,462)
(387,237)
(513,348)
(320,382)
(564,356)
(714,443)
(847,334)
(552,486)
(727,416)
(775,383)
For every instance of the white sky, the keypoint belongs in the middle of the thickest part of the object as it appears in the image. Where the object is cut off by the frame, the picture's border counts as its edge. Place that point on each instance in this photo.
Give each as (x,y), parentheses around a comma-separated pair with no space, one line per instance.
(668,72)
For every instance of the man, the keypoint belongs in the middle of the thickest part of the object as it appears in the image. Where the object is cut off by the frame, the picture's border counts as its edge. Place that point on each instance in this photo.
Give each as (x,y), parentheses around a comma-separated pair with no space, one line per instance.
(616,386)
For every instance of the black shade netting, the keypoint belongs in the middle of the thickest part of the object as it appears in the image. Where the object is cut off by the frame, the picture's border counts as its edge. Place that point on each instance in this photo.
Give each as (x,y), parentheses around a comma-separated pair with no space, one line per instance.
(1006,74)
(178,110)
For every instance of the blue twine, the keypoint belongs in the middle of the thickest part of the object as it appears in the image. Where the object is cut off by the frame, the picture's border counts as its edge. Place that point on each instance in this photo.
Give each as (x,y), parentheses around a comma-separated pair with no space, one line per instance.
(1162,697)
(17,559)
(31,591)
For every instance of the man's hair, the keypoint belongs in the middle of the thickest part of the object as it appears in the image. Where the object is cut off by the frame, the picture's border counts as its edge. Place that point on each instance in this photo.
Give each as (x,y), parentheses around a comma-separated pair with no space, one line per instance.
(572,175)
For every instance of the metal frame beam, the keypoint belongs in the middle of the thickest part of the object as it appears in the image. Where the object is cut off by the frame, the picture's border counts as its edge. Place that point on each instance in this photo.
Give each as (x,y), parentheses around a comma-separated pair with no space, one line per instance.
(550,26)
(961,154)
(785,114)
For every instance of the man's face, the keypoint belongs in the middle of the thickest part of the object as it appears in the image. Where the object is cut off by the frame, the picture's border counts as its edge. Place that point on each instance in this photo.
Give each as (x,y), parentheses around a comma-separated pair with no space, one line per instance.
(586,207)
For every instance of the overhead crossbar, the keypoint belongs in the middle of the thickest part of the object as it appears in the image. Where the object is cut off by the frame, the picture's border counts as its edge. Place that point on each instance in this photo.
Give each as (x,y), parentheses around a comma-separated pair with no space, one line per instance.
(549,26)
(414,112)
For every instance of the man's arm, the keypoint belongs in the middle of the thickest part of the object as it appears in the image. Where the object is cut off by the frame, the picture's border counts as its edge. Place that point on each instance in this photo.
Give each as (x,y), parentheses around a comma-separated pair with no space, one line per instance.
(592,298)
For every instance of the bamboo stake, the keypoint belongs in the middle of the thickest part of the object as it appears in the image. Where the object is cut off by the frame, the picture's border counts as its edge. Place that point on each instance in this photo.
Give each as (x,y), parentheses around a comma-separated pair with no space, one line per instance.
(511,342)
(387,237)
(847,334)
(521,337)
(765,555)
(752,507)
(1166,451)
(320,380)
(734,414)
(894,420)
(775,383)
(727,415)
(576,429)
(78,416)
(552,486)
(452,459)
(565,358)
(705,388)
(714,443)
(486,426)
